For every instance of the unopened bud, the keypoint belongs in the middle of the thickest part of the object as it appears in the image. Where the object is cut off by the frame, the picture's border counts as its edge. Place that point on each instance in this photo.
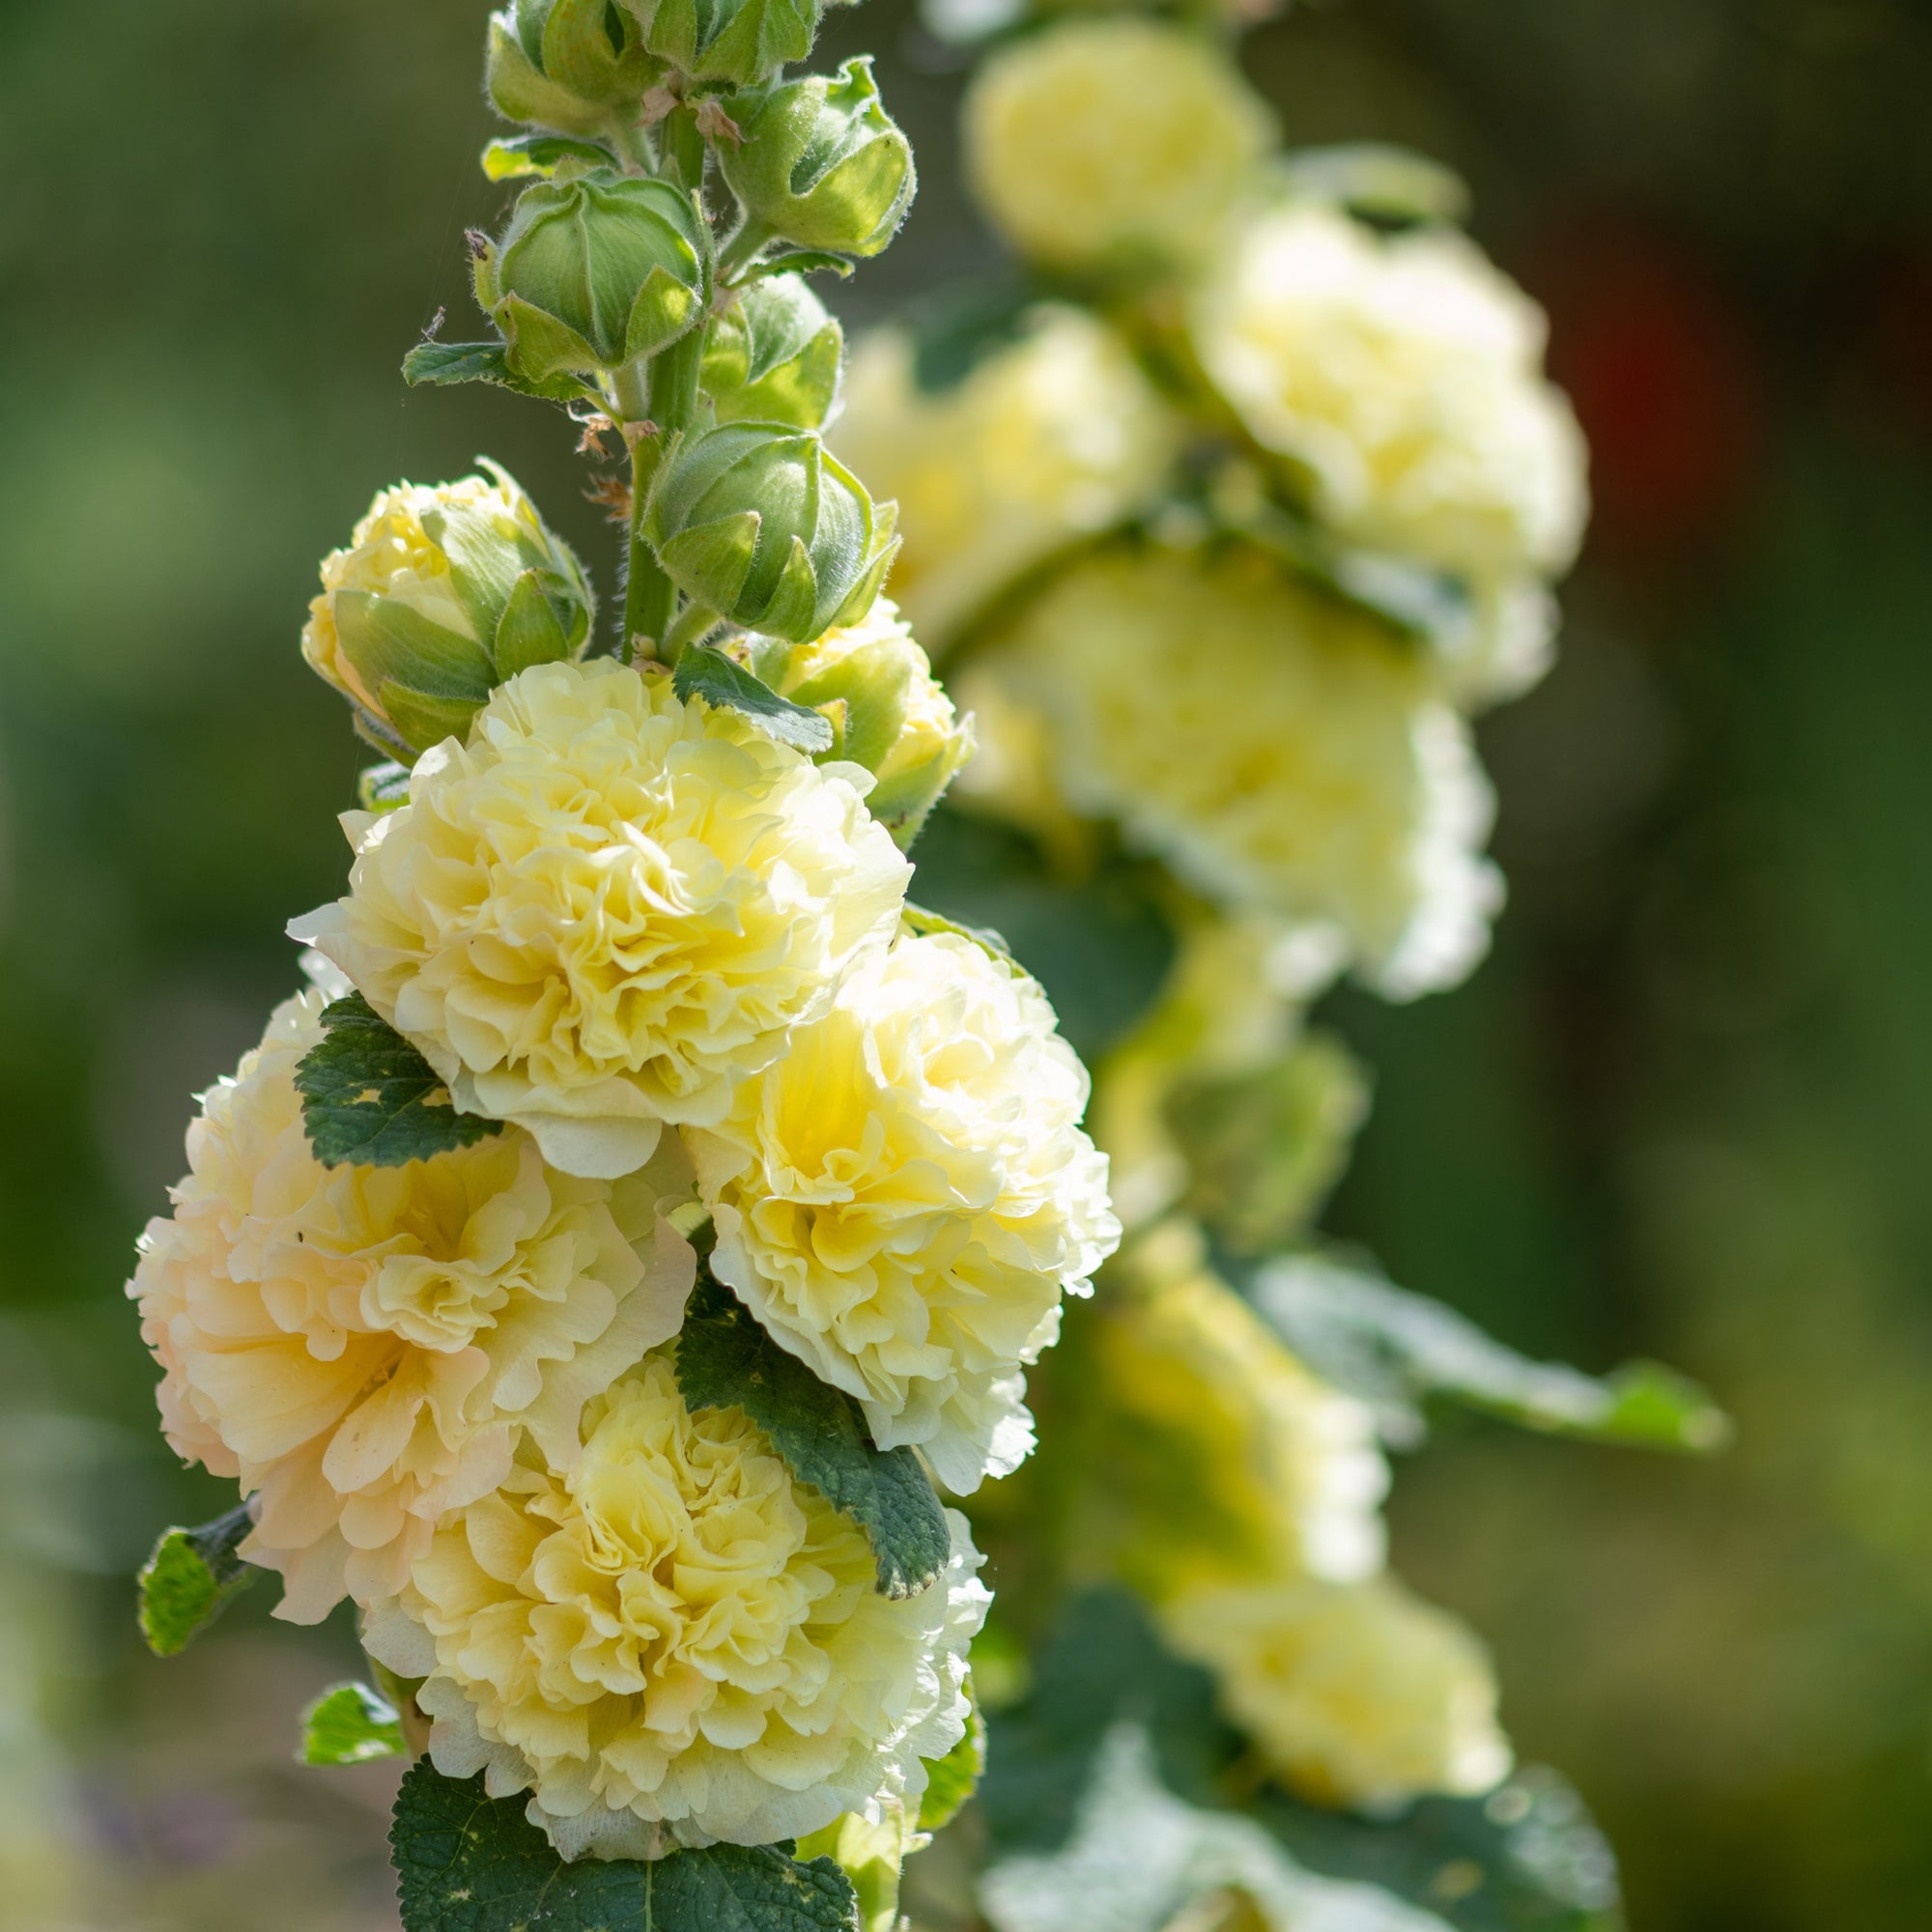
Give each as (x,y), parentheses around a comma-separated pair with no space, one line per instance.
(760,522)
(595,272)
(821,162)
(741,42)
(888,713)
(774,357)
(442,595)
(576,66)
(1263,1147)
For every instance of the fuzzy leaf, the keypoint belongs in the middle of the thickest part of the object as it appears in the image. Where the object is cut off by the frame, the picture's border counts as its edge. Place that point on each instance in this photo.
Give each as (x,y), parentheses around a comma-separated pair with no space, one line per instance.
(1141,1860)
(724,1360)
(349,1724)
(370,1100)
(541,155)
(471,1863)
(1527,1857)
(383,788)
(439,364)
(191,1578)
(1394,1348)
(1103,1664)
(801,262)
(708,673)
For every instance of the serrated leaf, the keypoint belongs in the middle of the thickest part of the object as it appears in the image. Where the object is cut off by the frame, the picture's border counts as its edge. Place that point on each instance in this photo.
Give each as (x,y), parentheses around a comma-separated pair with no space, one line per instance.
(705,671)
(951,1781)
(191,1578)
(349,1724)
(1526,1858)
(1394,1348)
(801,262)
(370,1100)
(541,155)
(467,1863)
(724,1360)
(439,364)
(1141,1860)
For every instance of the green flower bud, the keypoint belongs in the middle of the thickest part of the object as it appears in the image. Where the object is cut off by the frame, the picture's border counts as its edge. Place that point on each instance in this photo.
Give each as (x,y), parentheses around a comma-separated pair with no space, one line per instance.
(762,524)
(774,356)
(821,162)
(595,272)
(575,65)
(741,42)
(888,711)
(1263,1147)
(442,595)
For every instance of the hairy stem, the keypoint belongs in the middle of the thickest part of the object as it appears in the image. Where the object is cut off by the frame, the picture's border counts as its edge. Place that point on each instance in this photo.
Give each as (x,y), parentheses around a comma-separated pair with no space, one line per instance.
(671,400)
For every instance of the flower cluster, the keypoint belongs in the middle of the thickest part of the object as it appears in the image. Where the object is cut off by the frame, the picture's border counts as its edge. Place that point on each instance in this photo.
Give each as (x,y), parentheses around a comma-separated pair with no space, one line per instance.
(1359,413)
(662,950)
(672,1641)
(1245,645)
(623,993)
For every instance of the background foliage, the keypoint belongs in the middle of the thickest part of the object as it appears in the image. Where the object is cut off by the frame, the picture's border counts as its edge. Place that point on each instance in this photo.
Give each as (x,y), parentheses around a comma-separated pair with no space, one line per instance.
(1683,1112)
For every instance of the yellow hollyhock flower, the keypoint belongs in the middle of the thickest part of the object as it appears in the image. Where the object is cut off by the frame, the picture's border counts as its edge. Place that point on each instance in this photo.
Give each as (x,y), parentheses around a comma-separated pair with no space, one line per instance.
(674,1642)
(365,1348)
(903,1199)
(610,908)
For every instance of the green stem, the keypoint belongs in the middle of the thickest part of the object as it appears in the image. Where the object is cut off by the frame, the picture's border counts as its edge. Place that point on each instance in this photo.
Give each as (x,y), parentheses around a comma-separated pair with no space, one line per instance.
(681,149)
(742,250)
(690,628)
(671,401)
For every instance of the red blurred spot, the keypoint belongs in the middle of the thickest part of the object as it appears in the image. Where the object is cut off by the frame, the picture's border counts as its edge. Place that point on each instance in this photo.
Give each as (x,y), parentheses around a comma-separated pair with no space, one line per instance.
(1665,378)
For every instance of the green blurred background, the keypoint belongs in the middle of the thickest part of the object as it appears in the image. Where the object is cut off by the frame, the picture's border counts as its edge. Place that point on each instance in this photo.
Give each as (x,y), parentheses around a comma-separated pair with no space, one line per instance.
(1684,1110)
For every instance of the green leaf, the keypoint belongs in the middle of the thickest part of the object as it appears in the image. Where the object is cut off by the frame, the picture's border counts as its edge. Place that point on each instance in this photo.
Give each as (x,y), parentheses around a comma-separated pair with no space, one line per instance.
(541,155)
(724,1360)
(1141,1860)
(370,1100)
(1389,185)
(1527,1857)
(951,1781)
(383,788)
(1393,1349)
(349,1724)
(963,327)
(471,1863)
(191,1578)
(916,920)
(801,262)
(1097,942)
(706,672)
(439,364)
(1102,1664)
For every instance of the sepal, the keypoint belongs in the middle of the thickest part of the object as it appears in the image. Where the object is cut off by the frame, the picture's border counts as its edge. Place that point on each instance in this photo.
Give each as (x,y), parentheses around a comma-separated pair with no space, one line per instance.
(774,356)
(737,41)
(554,64)
(821,163)
(760,522)
(594,272)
